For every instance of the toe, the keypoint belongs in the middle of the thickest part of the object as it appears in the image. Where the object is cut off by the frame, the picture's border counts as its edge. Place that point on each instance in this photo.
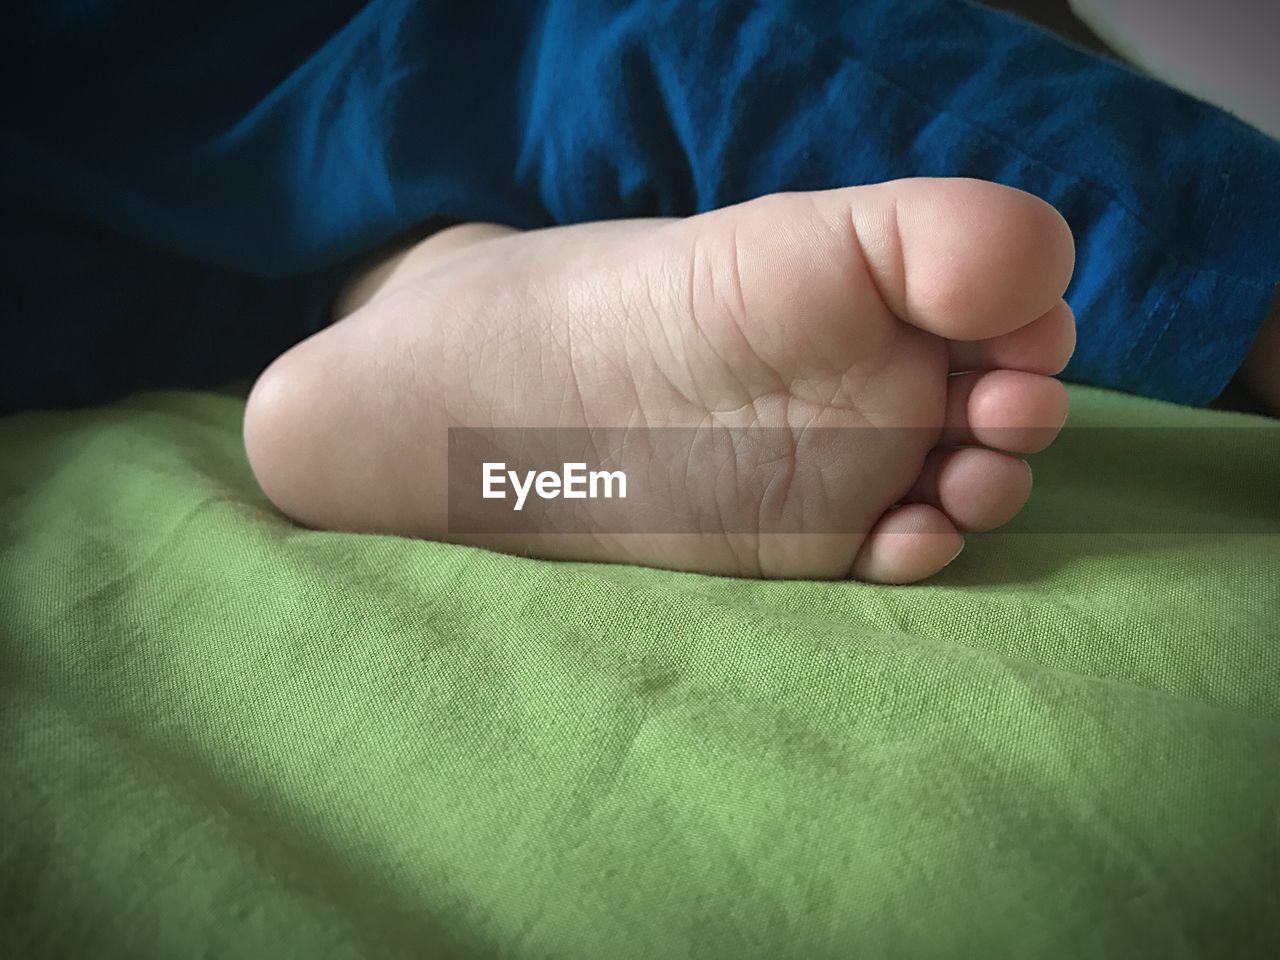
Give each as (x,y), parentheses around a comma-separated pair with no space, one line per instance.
(1004,409)
(960,259)
(963,259)
(908,544)
(1042,346)
(977,489)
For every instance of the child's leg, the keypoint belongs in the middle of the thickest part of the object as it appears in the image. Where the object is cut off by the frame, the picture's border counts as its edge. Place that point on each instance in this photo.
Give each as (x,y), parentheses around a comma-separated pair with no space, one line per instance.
(799,312)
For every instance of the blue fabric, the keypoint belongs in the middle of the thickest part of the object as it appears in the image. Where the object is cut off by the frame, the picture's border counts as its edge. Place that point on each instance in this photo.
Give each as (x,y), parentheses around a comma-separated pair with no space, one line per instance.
(189,183)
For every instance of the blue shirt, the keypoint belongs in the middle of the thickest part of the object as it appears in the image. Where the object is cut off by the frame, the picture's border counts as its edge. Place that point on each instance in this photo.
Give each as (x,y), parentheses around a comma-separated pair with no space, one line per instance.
(188,184)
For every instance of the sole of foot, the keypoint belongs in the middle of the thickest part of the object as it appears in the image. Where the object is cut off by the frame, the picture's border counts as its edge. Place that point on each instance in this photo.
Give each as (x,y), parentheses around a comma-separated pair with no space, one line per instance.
(928,310)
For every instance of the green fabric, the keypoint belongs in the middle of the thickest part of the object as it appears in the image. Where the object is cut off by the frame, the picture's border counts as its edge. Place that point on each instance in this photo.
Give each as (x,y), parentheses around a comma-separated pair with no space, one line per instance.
(225,736)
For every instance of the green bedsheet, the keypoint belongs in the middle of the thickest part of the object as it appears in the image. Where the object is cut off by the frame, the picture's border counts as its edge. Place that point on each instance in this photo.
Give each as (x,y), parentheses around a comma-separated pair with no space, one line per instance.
(224,736)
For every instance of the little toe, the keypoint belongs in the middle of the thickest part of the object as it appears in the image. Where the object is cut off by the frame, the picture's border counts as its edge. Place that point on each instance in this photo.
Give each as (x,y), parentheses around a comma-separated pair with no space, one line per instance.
(1043,346)
(907,544)
(978,489)
(1004,409)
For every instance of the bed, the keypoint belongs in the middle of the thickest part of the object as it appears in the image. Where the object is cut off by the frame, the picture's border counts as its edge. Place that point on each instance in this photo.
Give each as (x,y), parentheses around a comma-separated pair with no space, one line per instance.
(227,736)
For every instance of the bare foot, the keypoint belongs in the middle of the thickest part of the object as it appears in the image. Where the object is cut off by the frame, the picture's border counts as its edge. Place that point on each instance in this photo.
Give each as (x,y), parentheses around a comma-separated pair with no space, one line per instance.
(926,304)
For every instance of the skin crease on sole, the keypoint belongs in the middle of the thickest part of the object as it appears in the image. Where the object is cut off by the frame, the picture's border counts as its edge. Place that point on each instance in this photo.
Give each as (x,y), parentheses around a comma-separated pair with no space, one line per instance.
(933,305)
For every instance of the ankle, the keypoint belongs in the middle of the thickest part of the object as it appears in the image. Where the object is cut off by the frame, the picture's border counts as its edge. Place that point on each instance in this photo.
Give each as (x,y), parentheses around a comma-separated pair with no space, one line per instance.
(393,268)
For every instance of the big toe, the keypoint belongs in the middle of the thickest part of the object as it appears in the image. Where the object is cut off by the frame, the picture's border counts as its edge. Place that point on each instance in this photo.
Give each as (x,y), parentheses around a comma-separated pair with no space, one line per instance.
(963,259)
